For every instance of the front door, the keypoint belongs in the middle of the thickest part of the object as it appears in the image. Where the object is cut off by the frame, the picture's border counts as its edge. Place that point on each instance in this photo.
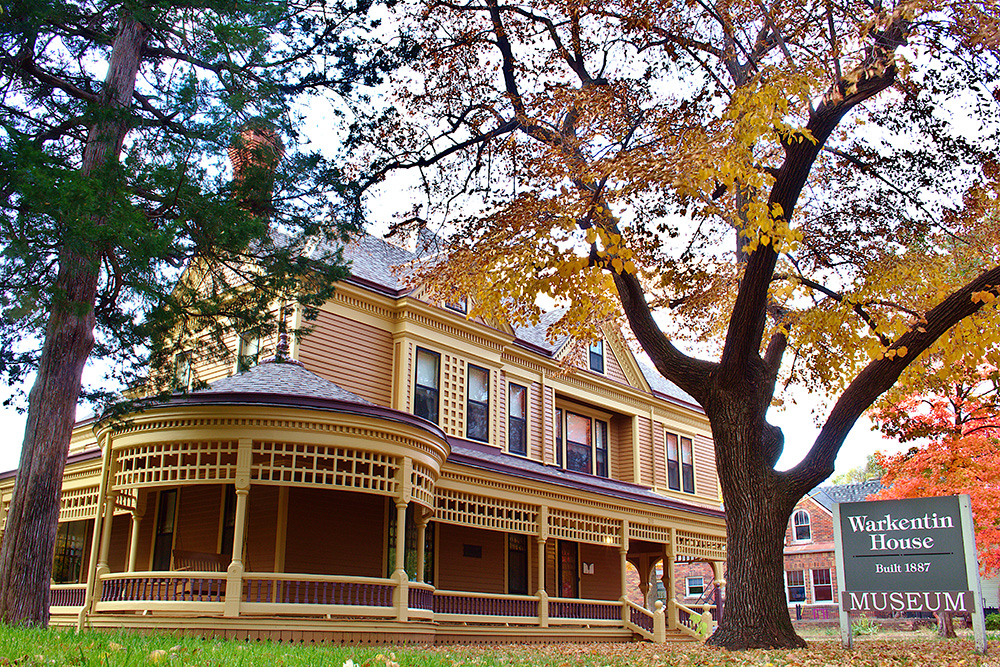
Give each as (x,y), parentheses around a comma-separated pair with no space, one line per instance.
(569,574)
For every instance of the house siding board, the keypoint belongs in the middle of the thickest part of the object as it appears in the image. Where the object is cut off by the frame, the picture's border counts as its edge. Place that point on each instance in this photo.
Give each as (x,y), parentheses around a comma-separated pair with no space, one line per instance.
(144,555)
(612,369)
(660,456)
(262,527)
(335,532)
(621,454)
(121,527)
(461,573)
(706,480)
(199,510)
(605,583)
(536,419)
(333,350)
(645,451)
(548,426)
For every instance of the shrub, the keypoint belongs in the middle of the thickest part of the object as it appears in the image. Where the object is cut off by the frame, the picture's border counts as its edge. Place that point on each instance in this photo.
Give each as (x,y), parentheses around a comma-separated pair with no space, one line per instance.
(993,621)
(864,626)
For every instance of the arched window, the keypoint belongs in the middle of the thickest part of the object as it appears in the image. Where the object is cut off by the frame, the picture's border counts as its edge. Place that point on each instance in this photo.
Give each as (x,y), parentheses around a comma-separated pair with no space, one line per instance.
(801,531)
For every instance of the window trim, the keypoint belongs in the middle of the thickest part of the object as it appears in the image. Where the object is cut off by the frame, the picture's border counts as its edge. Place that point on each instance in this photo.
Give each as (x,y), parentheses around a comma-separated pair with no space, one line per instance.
(469,402)
(436,389)
(511,417)
(596,351)
(808,525)
(681,467)
(242,358)
(561,435)
(687,587)
(188,374)
(812,578)
(789,586)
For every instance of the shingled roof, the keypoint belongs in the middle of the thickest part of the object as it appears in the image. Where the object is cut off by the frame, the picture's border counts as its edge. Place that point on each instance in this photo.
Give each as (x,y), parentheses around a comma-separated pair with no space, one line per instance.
(845,493)
(281,377)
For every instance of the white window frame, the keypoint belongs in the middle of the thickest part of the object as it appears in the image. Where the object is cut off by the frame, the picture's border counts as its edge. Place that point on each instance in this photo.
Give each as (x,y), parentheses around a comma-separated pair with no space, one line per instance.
(244,341)
(808,523)
(184,382)
(687,587)
(812,578)
(805,588)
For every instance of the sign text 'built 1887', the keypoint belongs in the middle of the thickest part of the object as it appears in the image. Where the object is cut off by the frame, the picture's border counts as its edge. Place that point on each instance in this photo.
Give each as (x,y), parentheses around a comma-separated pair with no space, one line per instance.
(910,555)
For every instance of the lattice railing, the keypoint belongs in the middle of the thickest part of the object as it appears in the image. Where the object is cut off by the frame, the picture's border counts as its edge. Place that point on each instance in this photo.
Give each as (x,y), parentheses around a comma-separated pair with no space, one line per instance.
(422,485)
(657,534)
(699,546)
(467,509)
(568,525)
(79,504)
(175,463)
(327,467)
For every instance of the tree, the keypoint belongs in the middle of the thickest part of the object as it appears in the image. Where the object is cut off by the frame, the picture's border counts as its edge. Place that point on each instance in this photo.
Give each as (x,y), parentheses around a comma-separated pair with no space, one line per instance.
(870,470)
(116,119)
(782,182)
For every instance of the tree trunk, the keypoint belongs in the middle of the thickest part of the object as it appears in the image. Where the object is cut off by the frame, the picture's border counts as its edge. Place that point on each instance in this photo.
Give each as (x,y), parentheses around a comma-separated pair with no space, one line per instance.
(758,506)
(29,538)
(946,628)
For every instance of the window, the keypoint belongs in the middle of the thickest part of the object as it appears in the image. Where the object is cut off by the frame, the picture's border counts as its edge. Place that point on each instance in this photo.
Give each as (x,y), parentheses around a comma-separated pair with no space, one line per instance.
(247,355)
(569,576)
(517,564)
(695,586)
(228,520)
(822,586)
(680,463)
(164,542)
(67,562)
(796,584)
(182,369)
(460,306)
(517,420)
(801,530)
(559,438)
(586,443)
(597,356)
(477,409)
(426,392)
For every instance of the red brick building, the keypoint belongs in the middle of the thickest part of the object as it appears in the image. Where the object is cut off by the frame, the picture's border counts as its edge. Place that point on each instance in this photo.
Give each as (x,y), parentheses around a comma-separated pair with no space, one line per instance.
(810,563)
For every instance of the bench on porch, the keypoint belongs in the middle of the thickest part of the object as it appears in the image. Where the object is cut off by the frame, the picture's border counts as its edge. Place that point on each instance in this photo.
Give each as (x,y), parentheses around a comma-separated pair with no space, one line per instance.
(200,561)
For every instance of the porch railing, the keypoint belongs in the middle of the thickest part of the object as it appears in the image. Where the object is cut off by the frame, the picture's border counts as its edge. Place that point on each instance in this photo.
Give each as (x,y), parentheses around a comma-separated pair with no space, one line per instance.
(694,620)
(565,611)
(142,591)
(66,597)
(462,606)
(306,594)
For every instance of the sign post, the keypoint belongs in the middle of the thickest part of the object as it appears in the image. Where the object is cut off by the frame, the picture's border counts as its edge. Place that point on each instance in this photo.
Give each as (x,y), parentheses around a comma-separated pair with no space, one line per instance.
(917,554)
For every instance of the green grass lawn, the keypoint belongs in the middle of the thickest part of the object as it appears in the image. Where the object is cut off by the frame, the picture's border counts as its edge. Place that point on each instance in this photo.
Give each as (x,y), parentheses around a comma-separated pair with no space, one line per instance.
(59,647)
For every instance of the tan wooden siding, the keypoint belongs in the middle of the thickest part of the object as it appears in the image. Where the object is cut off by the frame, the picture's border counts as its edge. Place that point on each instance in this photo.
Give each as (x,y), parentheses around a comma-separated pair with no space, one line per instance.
(262,527)
(356,356)
(121,527)
(612,369)
(498,409)
(335,532)
(551,575)
(457,572)
(706,480)
(536,420)
(199,513)
(605,583)
(144,556)
(659,456)
(547,426)
(621,446)
(645,451)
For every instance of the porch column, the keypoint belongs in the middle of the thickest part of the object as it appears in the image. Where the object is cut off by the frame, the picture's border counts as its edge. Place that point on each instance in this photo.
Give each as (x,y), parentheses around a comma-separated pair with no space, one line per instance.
(421,545)
(93,592)
(137,514)
(643,567)
(719,577)
(668,582)
(234,574)
(623,564)
(541,539)
(401,596)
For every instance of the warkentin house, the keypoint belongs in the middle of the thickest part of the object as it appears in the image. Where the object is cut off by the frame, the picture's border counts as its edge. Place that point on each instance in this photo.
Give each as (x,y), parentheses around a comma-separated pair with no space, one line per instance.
(402,474)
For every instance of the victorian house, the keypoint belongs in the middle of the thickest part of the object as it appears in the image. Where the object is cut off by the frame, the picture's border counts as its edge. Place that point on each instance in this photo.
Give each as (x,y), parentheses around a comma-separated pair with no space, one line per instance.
(402,474)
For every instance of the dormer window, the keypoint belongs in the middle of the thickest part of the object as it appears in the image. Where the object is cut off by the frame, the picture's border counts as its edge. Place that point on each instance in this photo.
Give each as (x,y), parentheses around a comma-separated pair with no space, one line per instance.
(248,353)
(597,356)
(801,528)
(582,442)
(459,306)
